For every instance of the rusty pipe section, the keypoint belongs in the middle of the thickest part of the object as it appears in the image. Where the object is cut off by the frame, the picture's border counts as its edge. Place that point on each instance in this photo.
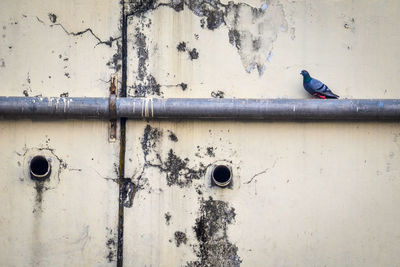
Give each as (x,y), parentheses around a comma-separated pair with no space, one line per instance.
(203,108)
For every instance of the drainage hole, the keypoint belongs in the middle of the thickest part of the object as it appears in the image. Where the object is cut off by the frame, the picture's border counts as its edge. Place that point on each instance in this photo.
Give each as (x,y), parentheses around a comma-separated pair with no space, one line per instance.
(39,167)
(222,175)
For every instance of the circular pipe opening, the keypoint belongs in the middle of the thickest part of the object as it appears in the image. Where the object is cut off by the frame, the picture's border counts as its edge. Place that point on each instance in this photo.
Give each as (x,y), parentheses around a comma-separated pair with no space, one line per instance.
(221,175)
(39,168)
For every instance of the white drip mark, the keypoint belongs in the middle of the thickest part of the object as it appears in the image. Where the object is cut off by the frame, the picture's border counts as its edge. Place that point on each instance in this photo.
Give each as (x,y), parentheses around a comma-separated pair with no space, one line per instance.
(143,103)
(65,105)
(152,108)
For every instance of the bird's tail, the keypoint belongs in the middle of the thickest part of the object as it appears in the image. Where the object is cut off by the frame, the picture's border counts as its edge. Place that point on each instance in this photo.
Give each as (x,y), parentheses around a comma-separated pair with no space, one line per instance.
(331,95)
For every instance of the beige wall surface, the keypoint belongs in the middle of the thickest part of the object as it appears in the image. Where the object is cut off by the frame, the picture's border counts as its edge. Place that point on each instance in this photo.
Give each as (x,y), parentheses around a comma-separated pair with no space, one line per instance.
(303,194)
(70,219)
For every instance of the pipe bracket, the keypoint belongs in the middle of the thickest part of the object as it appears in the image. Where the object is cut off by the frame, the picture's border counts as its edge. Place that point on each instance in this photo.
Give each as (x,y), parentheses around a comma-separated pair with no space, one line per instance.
(112,107)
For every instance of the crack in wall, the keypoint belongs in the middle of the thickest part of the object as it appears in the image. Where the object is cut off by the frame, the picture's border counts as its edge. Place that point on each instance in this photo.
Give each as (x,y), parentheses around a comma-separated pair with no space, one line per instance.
(108,43)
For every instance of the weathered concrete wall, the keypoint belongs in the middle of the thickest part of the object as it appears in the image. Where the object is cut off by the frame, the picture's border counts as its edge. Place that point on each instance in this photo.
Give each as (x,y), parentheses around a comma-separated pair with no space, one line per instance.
(302,193)
(54,48)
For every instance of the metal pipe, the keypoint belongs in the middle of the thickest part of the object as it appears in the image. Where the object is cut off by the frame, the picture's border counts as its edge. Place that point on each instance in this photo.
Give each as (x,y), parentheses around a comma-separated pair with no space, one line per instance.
(204,108)
(54,107)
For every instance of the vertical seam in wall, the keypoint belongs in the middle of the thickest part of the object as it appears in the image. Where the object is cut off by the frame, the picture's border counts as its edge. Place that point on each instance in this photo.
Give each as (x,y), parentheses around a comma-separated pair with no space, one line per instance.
(122,144)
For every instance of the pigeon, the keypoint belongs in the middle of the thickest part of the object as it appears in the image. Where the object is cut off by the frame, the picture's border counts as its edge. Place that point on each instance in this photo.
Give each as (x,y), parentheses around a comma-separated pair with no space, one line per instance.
(315,87)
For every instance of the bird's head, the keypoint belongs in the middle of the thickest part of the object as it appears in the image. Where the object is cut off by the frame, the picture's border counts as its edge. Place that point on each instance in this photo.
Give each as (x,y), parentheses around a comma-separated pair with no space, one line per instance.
(304,73)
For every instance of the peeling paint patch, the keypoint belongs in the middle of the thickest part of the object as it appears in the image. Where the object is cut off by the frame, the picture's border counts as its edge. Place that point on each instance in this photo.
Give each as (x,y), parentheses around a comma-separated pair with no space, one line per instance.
(252,30)
(211,227)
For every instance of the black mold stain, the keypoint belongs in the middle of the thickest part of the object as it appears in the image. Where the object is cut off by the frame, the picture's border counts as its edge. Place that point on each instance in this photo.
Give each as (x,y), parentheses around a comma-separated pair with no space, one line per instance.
(234,38)
(67,75)
(202,23)
(181,47)
(148,87)
(213,11)
(177,5)
(111,253)
(111,245)
(167,218)
(64,94)
(210,151)
(140,7)
(183,86)
(193,54)
(115,63)
(25,92)
(214,248)
(172,137)
(150,139)
(128,192)
(142,54)
(52,17)
(180,238)
(146,83)
(40,188)
(177,171)
(198,190)
(218,94)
